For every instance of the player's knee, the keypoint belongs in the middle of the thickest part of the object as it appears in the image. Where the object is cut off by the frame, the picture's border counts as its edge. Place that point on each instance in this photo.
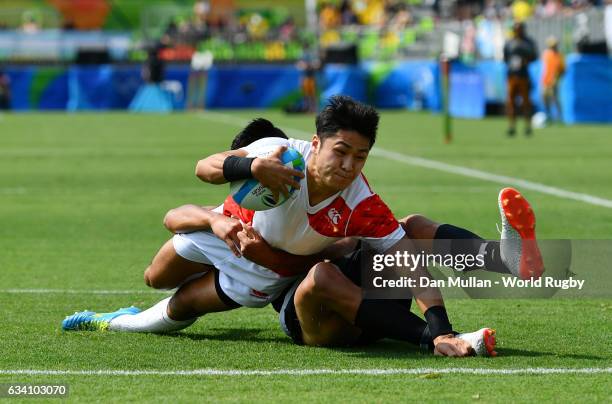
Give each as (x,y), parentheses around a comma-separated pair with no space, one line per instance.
(152,280)
(147,277)
(324,278)
(416,225)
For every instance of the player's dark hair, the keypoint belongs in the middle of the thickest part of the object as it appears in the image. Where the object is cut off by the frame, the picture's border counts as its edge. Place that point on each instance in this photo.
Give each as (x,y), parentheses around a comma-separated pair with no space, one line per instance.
(344,113)
(257,129)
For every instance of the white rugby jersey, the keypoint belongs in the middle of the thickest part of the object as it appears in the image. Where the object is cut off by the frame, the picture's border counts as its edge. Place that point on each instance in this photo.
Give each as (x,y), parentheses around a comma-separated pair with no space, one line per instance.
(302,229)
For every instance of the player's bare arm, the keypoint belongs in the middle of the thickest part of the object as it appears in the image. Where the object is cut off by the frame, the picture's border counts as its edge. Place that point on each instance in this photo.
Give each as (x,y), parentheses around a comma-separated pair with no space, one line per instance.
(254,248)
(210,169)
(188,218)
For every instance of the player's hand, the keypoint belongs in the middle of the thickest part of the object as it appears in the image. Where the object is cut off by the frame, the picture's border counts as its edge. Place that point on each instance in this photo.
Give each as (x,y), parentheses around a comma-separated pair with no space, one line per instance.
(271,172)
(227,228)
(449,345)
(252,246)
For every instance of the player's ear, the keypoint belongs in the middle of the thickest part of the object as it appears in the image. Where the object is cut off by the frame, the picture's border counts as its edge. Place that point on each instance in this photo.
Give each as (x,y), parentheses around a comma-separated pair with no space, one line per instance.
(316,141)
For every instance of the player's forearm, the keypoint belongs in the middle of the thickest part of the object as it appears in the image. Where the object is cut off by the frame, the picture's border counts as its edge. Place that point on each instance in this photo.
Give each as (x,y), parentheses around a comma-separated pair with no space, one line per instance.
(340,248)
(210,169)
(287,264)
(188,218)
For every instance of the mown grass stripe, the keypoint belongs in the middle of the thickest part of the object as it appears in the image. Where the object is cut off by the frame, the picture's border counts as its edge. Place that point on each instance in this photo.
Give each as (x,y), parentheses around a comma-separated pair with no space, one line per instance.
(304,372)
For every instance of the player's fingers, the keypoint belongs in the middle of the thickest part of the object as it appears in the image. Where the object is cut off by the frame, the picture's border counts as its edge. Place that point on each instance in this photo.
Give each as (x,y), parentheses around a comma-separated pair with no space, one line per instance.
(279,152)
(295,173)
(250,231)
(441,350)
(233,247)
(242,238)
(285,191)
(236,244)
(446,349)
(294,184)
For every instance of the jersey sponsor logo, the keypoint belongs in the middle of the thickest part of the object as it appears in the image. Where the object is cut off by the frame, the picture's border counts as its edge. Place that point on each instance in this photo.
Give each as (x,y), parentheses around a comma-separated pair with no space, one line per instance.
(334,216)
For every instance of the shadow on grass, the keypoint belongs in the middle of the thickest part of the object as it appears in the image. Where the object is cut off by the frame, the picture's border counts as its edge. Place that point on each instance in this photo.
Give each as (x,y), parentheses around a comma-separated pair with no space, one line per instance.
(232,334)
(379,349)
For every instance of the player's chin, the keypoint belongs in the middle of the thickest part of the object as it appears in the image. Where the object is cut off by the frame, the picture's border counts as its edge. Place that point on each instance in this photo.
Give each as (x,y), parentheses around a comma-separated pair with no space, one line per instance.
(340,181)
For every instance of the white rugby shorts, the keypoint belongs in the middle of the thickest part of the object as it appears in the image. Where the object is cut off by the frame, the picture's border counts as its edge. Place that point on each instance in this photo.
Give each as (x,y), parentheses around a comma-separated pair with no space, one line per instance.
(245,282)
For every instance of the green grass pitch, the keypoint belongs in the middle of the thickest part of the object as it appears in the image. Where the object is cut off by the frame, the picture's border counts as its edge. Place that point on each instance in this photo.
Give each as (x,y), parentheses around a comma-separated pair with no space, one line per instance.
(82,199)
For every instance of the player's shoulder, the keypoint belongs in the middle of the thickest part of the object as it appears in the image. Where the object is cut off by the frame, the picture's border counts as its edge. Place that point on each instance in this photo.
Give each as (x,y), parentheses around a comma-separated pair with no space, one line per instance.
(264,142)
(300,145)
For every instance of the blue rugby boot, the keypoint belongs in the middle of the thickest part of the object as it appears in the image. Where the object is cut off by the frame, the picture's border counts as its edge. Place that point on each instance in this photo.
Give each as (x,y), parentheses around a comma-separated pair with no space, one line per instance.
(91,321)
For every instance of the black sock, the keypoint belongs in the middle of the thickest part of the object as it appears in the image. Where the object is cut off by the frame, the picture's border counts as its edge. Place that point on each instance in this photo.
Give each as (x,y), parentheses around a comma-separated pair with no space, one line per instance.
(457,241)
(493,261)
(390,319)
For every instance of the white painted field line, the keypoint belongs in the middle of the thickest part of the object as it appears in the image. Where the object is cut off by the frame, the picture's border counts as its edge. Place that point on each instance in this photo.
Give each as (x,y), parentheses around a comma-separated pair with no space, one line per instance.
(305,372)
(83,291)
(440,166)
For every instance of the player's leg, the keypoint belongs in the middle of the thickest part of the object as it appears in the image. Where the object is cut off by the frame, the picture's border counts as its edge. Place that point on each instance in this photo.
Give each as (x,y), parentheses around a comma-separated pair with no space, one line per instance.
(438,238)
(524,88)
(517,252)
(328,309)
(194,299)
(324,301)
(547,98)
(556,101)
(511,105)
(177,261)
(168,269)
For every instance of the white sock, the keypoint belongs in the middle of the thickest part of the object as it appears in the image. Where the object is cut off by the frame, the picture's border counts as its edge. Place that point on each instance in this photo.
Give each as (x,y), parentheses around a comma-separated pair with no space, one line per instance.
(154,319)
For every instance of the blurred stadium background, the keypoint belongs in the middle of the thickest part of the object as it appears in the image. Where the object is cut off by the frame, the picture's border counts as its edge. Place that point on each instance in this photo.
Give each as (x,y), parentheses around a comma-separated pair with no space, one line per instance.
(183,54)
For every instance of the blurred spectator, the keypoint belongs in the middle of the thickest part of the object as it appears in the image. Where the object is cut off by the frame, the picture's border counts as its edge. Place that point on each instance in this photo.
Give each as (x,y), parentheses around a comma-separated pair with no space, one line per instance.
(154,68)
(200,15)
(309,65)
(287,30)
(468,9)
(329,16)
(347,15)
(200,11)
(221,14)
(608,24)
(29,24)
(370,12)
(400,17)
(518,53)
(550,8)
(5,91)
(553,67)
(521,10)
(257,26)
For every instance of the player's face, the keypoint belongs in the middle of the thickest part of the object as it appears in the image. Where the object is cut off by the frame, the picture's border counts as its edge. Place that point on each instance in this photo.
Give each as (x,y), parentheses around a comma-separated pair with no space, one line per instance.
(340,158)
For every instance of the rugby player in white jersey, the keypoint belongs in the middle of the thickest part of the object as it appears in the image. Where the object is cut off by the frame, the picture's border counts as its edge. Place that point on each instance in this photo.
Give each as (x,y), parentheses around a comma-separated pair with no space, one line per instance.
(334,181)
